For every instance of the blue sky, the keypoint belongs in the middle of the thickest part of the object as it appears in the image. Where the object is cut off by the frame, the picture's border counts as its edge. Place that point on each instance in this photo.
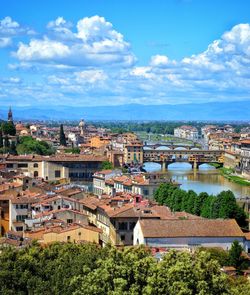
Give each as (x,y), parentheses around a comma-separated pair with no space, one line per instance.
(99,52)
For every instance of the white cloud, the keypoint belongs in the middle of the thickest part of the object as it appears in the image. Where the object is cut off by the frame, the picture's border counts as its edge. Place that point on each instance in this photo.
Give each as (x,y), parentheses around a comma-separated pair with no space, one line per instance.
(95,43)
(10,29)
(159,60)
(43,50)
(5,42)
(91,76)
(92,63)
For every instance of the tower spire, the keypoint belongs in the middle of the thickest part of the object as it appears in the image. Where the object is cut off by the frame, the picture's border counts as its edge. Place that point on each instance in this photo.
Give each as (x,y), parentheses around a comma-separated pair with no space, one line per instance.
(10,115)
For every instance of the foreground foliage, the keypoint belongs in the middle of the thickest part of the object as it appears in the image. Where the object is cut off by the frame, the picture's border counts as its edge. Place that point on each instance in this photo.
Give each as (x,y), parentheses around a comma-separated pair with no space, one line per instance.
(91,270)
(209,206)
(29,145)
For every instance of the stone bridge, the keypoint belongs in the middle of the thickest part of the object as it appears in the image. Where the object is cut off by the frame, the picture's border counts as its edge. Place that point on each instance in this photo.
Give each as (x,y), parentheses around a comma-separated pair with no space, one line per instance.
(194,157)
(170,145)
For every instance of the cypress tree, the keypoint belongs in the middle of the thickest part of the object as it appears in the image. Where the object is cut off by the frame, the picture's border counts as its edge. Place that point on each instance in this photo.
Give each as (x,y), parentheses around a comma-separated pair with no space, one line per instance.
(13,148)
(62,136)
(1,138)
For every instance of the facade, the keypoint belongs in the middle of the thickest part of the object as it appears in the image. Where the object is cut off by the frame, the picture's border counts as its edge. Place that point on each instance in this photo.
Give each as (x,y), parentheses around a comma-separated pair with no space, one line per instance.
(111,182)
(245,155)
(75,233)
(133,152)
(100,178)
(188,234)
(187,132)
(51,168)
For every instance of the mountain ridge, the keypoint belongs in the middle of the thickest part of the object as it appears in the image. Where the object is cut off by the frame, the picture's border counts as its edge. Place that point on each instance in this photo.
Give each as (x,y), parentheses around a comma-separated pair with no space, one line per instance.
(233,111)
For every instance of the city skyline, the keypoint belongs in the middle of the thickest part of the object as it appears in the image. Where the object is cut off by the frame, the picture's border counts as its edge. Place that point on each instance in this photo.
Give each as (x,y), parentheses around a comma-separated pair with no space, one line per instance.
(101,53)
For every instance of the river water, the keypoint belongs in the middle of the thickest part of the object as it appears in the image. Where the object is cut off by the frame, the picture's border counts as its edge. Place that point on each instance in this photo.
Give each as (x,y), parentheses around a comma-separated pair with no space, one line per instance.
(206,179)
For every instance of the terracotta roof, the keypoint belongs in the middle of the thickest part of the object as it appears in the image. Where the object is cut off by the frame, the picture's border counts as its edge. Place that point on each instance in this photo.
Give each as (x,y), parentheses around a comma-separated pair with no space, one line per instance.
(10,242)
(190,228)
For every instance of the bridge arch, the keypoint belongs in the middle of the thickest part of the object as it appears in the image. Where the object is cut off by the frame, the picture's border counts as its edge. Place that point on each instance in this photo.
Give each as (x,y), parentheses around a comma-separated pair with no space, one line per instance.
(162,147)
(180,166)
(180,148)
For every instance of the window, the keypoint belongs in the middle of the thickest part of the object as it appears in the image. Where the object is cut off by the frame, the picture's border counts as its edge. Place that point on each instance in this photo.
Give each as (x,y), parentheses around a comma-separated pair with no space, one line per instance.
(19,228)
(22,165)
(57,173)
(145,192)
(123,237)
(35,165)
(35,173)
(68,238)
(9,165)
(122,226)
(21,217)
(131,225)
(69,220)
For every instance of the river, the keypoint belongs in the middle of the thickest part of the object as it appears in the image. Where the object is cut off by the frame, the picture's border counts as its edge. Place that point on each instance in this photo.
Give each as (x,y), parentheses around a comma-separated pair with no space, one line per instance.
(206,179)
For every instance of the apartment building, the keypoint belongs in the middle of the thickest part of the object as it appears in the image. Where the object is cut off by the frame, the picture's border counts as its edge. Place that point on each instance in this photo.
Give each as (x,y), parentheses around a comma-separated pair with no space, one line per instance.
(187,132)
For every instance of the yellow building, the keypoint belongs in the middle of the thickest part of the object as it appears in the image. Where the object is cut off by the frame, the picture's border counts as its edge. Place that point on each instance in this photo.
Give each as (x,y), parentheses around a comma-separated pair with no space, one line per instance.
(72,233)
(133,152)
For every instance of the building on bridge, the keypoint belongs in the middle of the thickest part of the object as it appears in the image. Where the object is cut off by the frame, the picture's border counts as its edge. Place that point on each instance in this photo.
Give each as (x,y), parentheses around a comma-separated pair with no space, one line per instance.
(194,157)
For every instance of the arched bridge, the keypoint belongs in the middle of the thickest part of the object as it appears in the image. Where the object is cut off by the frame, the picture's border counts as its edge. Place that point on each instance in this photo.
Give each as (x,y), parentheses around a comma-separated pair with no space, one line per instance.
(194,157)
(169,145)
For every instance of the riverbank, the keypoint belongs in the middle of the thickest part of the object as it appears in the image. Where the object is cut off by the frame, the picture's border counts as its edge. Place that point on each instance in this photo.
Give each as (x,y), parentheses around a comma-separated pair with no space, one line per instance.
(229,173)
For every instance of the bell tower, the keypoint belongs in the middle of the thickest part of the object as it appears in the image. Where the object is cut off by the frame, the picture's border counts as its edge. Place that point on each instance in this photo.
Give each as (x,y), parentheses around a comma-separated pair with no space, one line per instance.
(10,116)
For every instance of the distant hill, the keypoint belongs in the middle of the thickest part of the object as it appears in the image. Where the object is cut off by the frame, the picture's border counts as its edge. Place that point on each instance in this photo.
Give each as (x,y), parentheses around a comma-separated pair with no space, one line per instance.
(235,111)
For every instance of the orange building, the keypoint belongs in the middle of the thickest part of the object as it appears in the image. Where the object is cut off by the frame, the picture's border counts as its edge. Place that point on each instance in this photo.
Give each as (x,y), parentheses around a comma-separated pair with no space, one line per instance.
(98,141)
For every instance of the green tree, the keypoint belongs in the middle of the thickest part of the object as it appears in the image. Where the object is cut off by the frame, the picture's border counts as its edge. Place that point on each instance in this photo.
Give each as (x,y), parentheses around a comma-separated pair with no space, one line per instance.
(199,201)
(1,138)
(106,165)
(192,196)
(183,273)
(235,257)
(8,128)
(6,142)
(206,209)
(29,145)
(62,137)
(163,193)
(12,149)
(73,150)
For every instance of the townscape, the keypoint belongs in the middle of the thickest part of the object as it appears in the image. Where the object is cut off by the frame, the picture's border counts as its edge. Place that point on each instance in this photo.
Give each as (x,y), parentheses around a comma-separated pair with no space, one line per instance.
(124,147)
(86,184)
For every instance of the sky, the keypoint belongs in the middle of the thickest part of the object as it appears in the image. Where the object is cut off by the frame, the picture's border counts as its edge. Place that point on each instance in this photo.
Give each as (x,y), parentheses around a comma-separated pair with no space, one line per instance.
(109,52)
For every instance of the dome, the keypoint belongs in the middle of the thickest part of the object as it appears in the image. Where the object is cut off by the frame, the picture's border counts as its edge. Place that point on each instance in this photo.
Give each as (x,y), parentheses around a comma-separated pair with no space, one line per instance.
(82,123)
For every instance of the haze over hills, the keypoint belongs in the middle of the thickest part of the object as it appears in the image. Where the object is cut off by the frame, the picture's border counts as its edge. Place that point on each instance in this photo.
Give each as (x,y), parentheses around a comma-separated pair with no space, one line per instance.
(235,111)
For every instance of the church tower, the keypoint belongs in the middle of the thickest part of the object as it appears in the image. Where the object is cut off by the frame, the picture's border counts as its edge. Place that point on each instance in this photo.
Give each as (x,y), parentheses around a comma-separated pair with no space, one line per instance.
(82,127)
(10,116)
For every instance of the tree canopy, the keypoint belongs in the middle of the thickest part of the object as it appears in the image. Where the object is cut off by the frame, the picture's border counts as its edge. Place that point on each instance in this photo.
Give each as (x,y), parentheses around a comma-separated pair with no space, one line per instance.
(223,205)
(29,145)
(106,165)
(8,128)
(88,269)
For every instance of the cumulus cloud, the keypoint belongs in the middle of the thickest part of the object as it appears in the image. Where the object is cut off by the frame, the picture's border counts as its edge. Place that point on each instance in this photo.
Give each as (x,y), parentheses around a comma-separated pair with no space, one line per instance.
(90,62)
(159,60)
(95,43)
(10,29)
